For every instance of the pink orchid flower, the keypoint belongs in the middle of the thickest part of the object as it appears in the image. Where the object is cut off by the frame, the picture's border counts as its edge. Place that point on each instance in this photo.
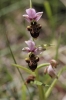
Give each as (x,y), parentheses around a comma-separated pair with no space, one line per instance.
(32,15)
(50,71)
(32,48)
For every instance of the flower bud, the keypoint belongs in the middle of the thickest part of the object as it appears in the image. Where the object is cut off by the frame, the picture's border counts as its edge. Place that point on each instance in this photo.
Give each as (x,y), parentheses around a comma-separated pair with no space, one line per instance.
(50,71)
(53,63)
(29,79)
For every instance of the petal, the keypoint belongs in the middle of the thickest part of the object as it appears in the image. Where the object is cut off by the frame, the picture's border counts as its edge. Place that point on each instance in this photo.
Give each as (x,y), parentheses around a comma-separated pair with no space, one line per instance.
(26,49)
(30,44)
(26,17)
(31,12)
(38,15)
(50,69)
(38,50)
(51,72)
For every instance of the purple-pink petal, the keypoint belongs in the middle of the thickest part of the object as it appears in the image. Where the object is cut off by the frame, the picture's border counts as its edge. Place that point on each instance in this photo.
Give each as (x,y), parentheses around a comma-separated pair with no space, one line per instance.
(38,50)
(31,12)
(30,44)
(26,49)
(38,15)
(50,69)
(26,17)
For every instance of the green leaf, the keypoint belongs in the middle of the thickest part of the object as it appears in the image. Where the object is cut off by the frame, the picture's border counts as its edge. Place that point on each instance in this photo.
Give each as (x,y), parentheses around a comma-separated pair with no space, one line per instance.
(42,65)
(23,92)
(37,83)
(25,69)
(47,85)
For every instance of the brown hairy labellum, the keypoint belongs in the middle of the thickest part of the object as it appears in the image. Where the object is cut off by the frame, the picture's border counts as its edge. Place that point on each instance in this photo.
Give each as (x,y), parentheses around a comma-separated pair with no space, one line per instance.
(32,61)
(34,29)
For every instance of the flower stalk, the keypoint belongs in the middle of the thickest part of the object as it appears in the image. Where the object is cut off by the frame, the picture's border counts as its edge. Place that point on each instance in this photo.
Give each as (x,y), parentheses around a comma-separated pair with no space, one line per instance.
(40,88)
(30,4)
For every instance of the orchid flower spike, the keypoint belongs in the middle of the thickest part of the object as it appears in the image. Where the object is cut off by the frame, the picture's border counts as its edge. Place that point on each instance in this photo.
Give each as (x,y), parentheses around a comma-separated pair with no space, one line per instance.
(32,15)
(32,48)
(50,71)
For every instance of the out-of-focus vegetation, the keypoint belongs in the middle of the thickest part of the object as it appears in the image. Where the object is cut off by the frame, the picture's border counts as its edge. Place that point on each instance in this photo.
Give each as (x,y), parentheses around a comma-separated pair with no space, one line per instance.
(13,24)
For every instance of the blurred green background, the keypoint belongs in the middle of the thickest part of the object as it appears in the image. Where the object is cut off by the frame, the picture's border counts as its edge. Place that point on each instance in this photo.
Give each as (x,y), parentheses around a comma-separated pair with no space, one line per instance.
(13,24)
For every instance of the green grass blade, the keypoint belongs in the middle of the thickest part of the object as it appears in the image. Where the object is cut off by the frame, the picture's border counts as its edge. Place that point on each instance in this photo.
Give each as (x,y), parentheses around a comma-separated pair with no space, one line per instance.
(5,33)
(49,12)
(57,48)
(48,9)
(11,8)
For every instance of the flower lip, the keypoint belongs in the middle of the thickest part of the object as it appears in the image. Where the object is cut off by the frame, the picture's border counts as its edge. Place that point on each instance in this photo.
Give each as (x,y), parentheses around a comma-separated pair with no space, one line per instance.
(32,15)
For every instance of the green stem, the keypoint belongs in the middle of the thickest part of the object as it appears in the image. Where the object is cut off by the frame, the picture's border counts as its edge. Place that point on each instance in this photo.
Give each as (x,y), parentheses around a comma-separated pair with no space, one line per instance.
(57,48)
(43,65)
(30,4)
(54,82)
(40,88)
